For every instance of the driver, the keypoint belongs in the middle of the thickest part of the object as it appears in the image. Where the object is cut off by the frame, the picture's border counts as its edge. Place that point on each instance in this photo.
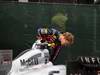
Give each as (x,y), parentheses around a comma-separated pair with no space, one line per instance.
(55,39)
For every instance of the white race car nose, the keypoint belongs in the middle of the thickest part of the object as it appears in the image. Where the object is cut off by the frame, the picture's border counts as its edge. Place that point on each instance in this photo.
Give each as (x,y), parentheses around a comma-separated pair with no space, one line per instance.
(46,70)
(34,62)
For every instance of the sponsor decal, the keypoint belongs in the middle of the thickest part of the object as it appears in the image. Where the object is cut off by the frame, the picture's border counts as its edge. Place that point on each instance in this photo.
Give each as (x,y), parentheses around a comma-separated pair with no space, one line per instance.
(30,61)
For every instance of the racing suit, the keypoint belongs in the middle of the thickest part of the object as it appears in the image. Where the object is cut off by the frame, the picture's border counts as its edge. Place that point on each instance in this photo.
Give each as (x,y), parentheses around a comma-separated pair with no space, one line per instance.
(52,37)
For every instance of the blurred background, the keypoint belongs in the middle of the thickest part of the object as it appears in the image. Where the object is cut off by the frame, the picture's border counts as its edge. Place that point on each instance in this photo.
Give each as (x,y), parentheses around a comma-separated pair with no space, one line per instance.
(62,1)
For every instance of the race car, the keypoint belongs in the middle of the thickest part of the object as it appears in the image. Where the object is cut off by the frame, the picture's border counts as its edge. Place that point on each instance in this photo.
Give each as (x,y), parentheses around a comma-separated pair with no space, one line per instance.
(35,61)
